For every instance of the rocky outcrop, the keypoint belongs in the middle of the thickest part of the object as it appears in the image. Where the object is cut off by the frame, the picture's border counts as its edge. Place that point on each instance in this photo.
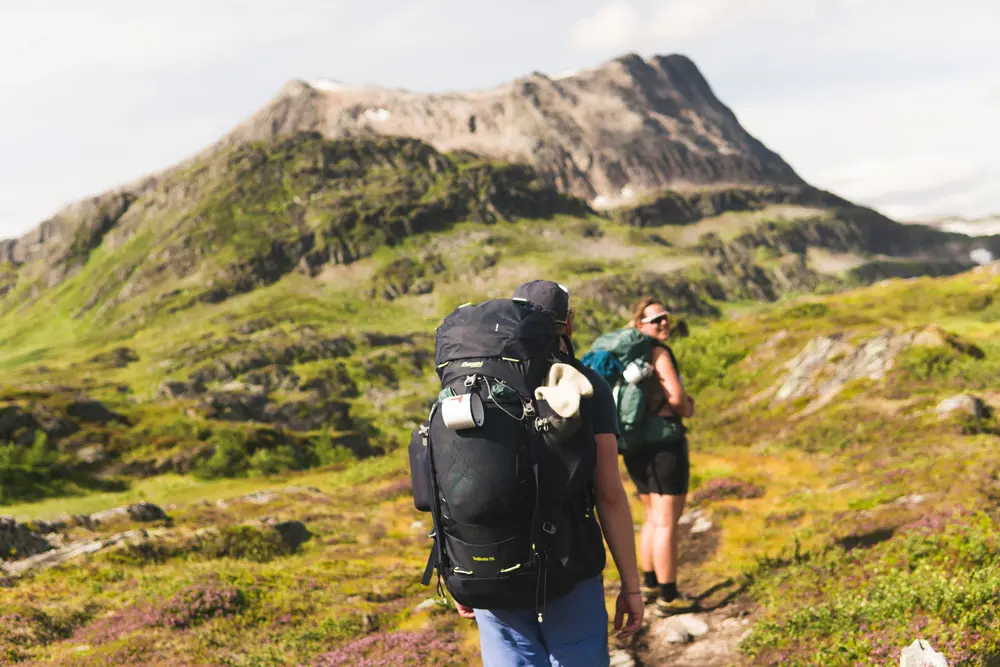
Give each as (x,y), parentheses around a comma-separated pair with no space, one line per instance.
(281,351)
(60,555)
(19,540)
(686,207)
(56,416)
(618,293)
(119,357)
(827,363)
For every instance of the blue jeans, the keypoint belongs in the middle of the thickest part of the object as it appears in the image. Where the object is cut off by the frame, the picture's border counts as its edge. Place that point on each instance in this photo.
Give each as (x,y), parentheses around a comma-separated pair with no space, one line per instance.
(574,632)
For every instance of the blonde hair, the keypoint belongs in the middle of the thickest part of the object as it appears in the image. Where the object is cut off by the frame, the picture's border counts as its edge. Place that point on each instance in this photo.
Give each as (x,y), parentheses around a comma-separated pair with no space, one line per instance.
(640,308)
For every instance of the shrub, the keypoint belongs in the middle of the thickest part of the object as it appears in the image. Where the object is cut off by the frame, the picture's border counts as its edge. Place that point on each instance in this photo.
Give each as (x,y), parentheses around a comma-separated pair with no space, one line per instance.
(196,604)
(274,461)
(139,555)
(807,310)
(937,579)
(327,453)
(395,649)
(229,457)
(926,363)
(251,543)
(705,358)
(720,488)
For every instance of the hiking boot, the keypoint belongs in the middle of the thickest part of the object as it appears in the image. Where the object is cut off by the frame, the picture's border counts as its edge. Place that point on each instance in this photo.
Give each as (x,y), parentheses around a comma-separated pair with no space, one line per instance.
(680,604)
(649,593)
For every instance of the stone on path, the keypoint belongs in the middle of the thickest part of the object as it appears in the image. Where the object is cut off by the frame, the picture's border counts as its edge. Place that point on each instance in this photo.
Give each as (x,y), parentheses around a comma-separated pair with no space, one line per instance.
(920,654)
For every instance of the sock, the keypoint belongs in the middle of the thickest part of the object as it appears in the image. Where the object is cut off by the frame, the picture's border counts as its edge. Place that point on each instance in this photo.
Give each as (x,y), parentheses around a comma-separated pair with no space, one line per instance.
(649,580)
(668,592)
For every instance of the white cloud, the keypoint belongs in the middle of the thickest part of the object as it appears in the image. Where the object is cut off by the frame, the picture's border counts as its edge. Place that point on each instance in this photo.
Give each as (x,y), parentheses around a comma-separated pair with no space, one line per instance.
(637,24)
(920,186)
(613,26)
(685,20)
(918,148)
(62,41)
(618,25)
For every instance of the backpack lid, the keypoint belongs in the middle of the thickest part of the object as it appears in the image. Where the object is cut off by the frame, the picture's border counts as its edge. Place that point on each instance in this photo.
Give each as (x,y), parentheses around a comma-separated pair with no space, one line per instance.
(510,329)
(626,344)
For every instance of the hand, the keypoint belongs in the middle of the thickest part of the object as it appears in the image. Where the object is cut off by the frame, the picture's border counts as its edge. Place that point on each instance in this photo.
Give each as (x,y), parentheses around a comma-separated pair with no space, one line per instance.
(631,604)
(465,612)
(690,404)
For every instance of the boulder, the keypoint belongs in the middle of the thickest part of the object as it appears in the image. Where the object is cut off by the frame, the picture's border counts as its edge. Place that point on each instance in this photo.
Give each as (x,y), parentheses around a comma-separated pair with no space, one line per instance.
(963,404)
(272,378)
(293,533)
(53,557)
(620,658)
(671,633)
(19,540)
(144,511)
(177,389)
(141,511)
(934,336)
(92,411)
(235,406)
(120,357)
(17,425)
(692,623)
(92,454)
(920,654)
(309,415)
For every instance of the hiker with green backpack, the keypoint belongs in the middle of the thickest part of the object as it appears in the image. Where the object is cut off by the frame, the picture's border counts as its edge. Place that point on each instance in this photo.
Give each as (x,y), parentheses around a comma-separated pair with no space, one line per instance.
(651,403)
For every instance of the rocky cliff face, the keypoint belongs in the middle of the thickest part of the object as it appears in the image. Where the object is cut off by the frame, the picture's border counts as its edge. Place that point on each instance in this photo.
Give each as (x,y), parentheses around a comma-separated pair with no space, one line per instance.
(605,134)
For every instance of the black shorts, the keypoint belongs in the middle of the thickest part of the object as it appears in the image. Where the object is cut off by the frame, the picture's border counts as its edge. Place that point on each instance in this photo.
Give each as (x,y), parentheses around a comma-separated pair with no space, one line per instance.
(665,472)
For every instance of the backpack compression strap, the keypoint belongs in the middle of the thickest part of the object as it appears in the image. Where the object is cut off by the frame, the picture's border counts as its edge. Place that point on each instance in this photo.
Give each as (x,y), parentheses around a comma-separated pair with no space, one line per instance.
(434,558)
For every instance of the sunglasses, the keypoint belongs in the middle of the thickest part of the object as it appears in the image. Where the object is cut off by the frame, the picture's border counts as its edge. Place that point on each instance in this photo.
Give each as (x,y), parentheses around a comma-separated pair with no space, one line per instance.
(655,319)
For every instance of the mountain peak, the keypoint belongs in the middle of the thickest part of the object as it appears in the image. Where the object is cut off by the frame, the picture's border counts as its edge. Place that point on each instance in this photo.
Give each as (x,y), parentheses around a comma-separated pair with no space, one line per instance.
(630,124)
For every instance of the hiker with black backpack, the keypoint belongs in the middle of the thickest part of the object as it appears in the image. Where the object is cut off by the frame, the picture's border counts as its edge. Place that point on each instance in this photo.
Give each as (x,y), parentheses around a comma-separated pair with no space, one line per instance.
(651,404)
(518,452)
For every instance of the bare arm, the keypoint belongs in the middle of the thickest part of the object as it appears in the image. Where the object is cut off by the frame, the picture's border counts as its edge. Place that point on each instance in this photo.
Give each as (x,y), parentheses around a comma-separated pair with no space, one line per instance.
(671,383)
(614,512)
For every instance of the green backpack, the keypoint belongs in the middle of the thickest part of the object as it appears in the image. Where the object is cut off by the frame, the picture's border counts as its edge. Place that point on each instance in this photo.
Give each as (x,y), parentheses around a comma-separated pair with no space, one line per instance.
(609,356)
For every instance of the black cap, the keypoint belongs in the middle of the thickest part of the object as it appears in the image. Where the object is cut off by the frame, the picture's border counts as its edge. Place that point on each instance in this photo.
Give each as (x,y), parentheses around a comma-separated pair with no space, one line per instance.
(551,296)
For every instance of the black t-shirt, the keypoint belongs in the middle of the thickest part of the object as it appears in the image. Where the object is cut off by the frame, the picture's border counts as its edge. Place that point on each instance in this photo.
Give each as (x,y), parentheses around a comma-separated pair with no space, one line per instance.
(604,413)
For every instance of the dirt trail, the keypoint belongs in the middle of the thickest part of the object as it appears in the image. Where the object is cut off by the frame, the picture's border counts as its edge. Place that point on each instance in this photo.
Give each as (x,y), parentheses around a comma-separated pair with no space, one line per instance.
(705,633)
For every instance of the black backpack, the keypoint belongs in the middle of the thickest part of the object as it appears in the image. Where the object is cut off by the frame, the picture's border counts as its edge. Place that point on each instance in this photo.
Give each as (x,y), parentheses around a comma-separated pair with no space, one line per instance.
(512,499)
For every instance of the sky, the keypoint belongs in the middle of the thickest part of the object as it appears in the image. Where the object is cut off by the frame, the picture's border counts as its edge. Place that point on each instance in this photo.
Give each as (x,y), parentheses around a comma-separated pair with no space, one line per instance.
(890,103)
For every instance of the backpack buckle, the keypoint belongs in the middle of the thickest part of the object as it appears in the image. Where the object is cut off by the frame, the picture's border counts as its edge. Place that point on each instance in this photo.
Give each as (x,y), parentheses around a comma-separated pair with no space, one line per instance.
(549,528)
(542,425)
(470,380)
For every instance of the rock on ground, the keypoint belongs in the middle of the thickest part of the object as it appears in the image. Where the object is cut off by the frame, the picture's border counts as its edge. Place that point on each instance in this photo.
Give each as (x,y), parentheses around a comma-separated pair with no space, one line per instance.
(694,640)
(621,658)
(58,556)
(18,539)
(964,404)
(920,654)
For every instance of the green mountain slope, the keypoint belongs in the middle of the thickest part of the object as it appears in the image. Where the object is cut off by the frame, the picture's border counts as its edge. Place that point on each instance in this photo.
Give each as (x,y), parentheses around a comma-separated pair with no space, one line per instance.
(260,310)
(848,511)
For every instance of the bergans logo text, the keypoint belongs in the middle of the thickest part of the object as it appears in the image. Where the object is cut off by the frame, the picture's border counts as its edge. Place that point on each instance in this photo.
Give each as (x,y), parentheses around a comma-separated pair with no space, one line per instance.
(482,558)
(472,364)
